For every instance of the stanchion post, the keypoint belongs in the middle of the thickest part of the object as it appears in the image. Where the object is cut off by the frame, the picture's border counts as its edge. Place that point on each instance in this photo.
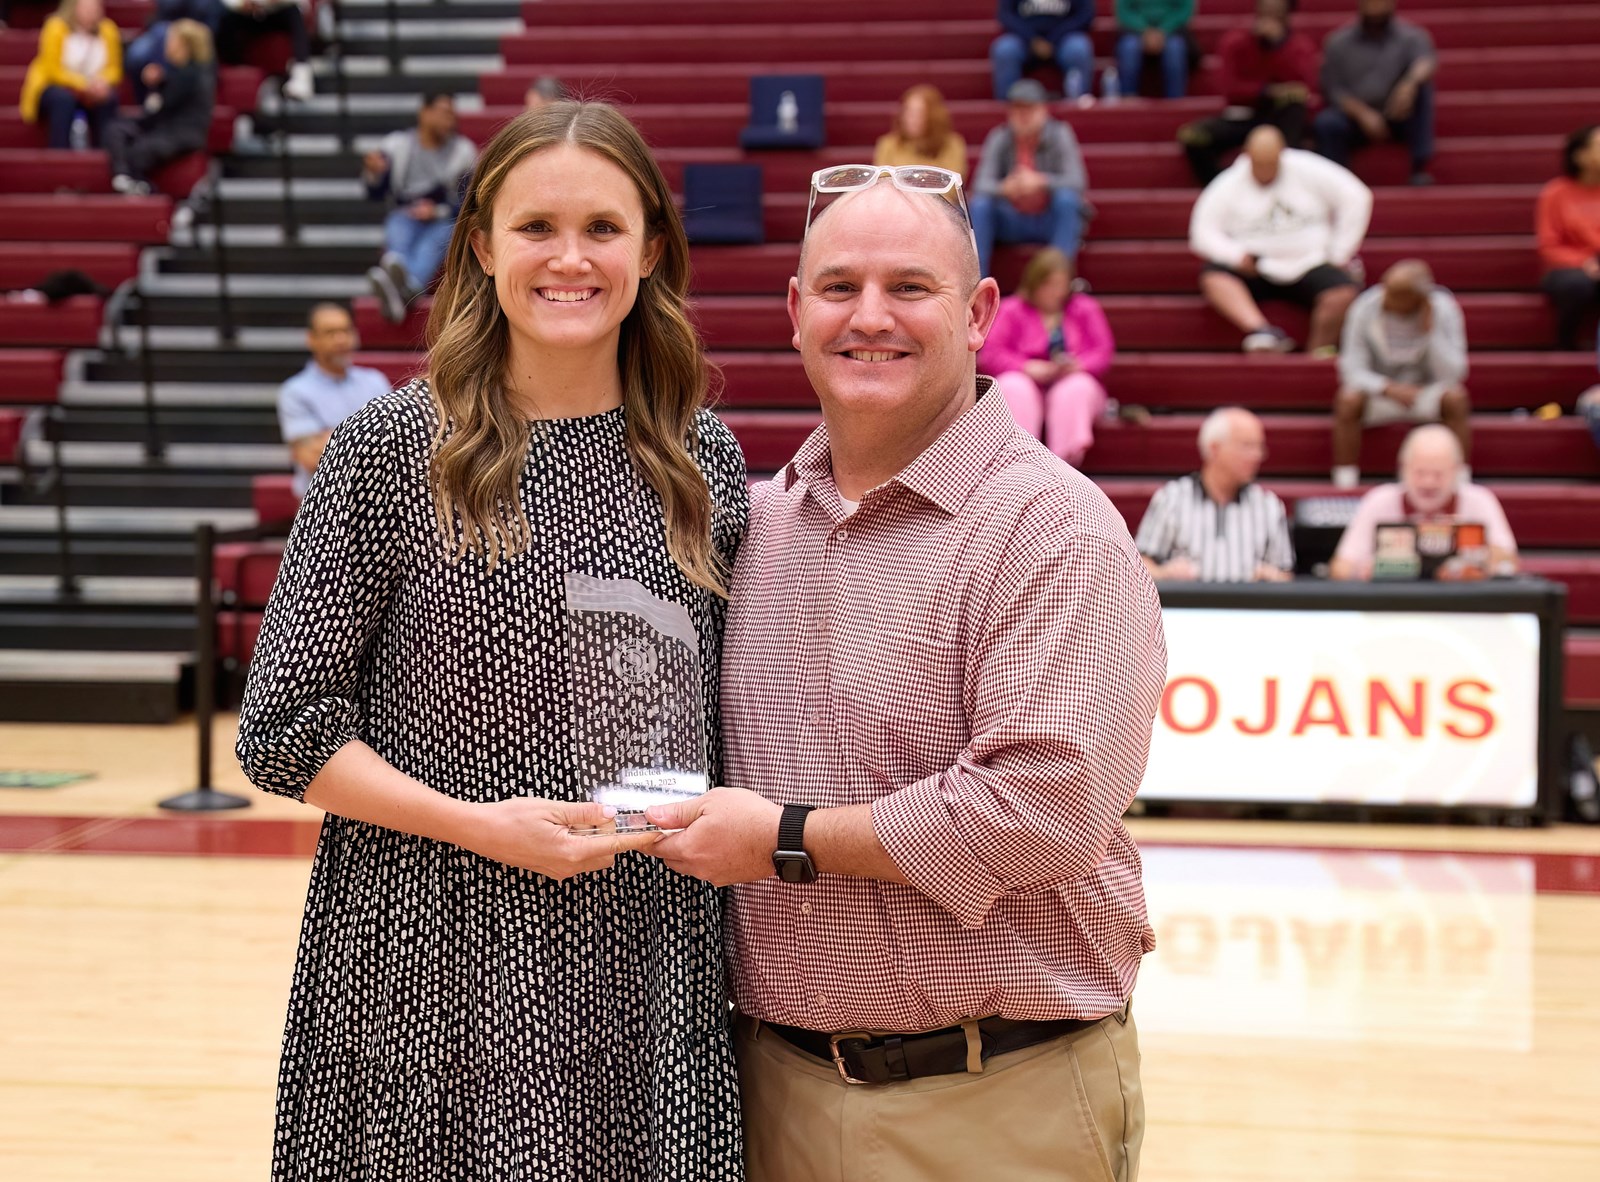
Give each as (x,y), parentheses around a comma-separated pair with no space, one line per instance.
(205,798)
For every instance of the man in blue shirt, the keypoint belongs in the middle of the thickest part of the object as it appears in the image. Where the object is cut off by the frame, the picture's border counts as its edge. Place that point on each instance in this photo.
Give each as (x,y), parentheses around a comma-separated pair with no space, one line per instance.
(326,392)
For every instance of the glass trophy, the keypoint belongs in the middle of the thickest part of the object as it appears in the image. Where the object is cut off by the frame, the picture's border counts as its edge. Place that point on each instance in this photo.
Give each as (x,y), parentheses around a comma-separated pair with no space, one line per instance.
(638,726)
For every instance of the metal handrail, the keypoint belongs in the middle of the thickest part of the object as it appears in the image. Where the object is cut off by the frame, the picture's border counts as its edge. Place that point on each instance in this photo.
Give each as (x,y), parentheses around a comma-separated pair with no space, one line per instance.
(227,330)
(66,580)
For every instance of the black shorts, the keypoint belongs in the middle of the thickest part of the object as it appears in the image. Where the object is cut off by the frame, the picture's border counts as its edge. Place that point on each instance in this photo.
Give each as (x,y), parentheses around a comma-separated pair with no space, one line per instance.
(1303,291)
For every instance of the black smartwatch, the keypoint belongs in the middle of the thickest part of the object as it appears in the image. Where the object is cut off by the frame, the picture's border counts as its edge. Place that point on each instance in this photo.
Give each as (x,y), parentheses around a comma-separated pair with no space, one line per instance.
(791,862)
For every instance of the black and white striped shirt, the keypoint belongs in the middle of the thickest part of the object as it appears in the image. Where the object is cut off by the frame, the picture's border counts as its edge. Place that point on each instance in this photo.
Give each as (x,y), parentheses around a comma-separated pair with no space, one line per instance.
(1226,542)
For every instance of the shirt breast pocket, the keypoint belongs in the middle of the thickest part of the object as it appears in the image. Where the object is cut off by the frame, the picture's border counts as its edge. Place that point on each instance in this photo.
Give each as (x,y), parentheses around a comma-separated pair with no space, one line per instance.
(919,720)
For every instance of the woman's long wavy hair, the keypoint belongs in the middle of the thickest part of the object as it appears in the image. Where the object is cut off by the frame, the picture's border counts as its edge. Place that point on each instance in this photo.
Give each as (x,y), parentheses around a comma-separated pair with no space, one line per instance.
(481,442)
(938,127)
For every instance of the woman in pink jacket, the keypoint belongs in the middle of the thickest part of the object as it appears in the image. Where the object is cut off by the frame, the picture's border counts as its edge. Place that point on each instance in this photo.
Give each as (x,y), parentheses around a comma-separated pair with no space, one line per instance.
(1049,349)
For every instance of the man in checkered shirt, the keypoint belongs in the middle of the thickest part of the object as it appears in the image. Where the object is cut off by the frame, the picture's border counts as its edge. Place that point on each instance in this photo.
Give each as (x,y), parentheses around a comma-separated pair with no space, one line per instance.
(943,660)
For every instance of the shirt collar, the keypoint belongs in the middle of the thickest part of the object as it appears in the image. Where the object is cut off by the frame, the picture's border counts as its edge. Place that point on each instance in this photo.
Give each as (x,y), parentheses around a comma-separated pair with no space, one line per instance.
(1204,494)
(947,471)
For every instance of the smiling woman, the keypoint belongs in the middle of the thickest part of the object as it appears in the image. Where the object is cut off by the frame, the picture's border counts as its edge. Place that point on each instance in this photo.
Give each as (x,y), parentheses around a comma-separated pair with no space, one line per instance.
(479,992)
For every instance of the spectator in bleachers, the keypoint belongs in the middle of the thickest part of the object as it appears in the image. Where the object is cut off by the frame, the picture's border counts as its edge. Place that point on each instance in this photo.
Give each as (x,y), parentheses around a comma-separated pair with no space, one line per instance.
(922,134)
(1403,358)
(1377,80)
(1569,235)
(1041,32)
(245,20)
(326,392)
(422,173)
(1267,74)
(1280,224)
(1154,30)
(150,46)
(1049,351)
(1030,179)
(1218,525)
(177,110)
(76,72)
(544,91)
(1432,487)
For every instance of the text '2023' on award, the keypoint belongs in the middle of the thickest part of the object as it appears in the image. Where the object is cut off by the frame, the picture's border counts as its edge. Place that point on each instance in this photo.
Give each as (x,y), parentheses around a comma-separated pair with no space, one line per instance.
(638,727)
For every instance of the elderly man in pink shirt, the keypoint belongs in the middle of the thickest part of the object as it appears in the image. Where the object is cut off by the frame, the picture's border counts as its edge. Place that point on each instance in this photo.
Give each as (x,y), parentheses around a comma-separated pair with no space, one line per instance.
(1431,488)
(1049,350)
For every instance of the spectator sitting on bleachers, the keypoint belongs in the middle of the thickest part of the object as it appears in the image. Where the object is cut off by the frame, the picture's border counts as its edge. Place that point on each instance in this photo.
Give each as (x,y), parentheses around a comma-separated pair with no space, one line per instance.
(922,134)
(246,20)
(1157,29)
(1030,179)
(1039,32)
(1280,224)
(544,91)
(422,172)
(1049,349)
(1377,78)
(326,392)
(1403,357)
(1267,74)
(1433,487)
(177,111)
(1569,235)
(150,46)
(77,69)
(1218,525)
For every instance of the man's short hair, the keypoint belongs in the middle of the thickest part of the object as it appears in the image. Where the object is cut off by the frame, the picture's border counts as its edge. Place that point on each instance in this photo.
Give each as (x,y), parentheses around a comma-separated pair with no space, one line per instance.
(429,97)
(1216,428)
(318,309)
(970,274)
(1430,431)
(1576,142)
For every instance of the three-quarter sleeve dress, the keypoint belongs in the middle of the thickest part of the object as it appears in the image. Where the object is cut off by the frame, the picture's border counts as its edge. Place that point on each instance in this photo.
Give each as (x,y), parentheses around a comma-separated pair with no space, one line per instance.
(452,1017)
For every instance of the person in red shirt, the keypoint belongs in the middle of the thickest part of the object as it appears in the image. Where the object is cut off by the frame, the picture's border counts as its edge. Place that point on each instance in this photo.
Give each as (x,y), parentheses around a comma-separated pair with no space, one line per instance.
(1267,74)
(1569,235)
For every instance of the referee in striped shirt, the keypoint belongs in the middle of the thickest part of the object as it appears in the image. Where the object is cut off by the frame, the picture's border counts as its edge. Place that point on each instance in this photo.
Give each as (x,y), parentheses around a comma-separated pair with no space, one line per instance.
(1217,525)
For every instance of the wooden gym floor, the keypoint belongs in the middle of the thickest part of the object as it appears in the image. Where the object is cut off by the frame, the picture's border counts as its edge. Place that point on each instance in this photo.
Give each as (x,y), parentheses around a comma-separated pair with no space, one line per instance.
(1361,1004)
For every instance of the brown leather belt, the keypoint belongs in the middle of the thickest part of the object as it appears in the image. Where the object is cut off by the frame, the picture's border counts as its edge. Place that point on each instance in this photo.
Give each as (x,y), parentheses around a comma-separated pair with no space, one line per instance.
(892,1058)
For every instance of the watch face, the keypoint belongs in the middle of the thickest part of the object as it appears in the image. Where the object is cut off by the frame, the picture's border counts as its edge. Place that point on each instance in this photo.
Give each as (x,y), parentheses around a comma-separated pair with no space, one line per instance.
(794,867)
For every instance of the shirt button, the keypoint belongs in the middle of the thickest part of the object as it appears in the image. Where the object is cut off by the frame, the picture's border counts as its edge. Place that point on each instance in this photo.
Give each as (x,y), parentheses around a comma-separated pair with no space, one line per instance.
(822,999)
(844,534)
(805,909)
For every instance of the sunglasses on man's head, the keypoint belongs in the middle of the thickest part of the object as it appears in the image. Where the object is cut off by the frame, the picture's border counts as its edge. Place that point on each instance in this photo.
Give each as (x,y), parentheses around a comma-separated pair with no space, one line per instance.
(911,178)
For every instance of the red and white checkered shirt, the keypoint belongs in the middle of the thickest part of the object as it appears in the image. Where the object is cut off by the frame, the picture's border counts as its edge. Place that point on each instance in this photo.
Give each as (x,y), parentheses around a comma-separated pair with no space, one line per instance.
(977,652)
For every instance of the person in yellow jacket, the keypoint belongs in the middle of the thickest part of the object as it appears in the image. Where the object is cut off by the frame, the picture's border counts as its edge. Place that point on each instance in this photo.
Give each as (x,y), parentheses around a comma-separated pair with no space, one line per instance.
(922,134)
(78,68)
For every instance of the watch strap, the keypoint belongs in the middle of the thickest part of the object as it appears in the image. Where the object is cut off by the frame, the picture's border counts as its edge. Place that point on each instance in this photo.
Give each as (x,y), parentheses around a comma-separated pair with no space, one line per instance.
(792,828)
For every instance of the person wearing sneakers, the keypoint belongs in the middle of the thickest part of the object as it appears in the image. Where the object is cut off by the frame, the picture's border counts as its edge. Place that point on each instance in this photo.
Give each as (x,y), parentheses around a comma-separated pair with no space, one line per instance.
(243,21)
(1403,358)
(1280,224)
(422,173)
(176,120)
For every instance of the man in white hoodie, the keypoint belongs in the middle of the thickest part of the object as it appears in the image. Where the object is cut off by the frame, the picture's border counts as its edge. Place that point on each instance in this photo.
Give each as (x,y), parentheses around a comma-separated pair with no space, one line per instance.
(1280,224)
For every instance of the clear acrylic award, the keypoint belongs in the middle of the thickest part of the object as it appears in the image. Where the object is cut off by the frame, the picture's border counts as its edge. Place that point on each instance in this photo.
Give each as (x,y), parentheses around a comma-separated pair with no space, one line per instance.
(638,727)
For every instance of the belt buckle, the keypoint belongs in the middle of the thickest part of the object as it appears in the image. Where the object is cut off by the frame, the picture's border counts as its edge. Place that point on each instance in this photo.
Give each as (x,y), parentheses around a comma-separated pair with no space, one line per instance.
(838,1056)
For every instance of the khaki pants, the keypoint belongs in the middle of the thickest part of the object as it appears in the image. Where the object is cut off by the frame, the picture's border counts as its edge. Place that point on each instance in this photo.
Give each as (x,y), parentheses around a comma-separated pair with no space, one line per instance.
(1070,1110)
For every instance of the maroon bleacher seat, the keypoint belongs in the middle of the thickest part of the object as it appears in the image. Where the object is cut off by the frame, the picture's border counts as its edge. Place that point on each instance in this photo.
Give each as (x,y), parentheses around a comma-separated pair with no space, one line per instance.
(31,375)
(11,423)
(243,572)
(1583,671)
(237,633)
(73,321)
(93,218)
(23,264)
(272,497)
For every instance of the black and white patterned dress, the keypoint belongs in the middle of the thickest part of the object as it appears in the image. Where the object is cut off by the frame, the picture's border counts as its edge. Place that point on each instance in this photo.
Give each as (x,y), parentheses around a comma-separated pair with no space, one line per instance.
(452,1017)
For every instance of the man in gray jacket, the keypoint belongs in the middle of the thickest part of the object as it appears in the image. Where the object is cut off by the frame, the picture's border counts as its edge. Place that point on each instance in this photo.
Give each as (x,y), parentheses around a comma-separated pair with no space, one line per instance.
(1030,179)
(1403,359)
